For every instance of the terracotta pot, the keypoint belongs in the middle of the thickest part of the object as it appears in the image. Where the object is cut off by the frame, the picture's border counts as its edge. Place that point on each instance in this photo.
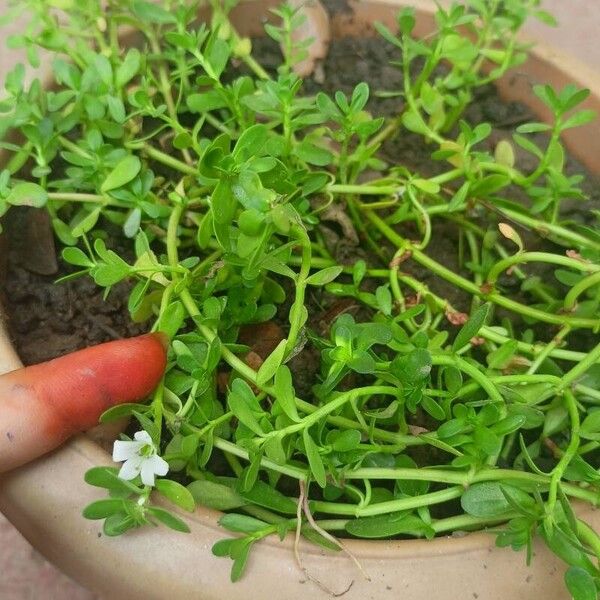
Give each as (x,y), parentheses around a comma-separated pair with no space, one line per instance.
(44,499)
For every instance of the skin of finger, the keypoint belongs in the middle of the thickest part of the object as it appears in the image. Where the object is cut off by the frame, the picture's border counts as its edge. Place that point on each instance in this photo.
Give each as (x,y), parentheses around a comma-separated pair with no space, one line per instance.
(42,405)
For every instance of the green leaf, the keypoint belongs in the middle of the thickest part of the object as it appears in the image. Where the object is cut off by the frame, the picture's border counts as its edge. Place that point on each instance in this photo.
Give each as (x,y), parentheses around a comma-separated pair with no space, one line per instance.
(206,101)
(384,526)
(250,143)
(412,368)
(176,493)
(168,519)
(384,299)
(583,117)
(433,408)
(104,69)
(489,185)
(121,410)
(240,557)
(215,495)
(128,69)
(384,32)
(314,459)
(116,108)
(107,275)
(406,20)
(118,524)
(86,222)
(429,187)
(590,428)
(223,547)
(414,122)
(271,364)
(104,508)
(172,318)
(274,450)
(262,494)
(125,170)
(360,96)
(488,499)
(471,328)
(250,475)
(346,441)
(504,153)
(223,202)
(107,478)
(313,154)
(75,256)
(27,194)
(324,276)
(453,379)
(533,127)
(152,13)
(284,392)
(580,584)
(242,523)
(527,145)
(239,405)
(548,96)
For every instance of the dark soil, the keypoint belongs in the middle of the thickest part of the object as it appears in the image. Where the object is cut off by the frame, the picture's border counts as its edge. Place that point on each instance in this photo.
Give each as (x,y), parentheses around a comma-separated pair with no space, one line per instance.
(48,319)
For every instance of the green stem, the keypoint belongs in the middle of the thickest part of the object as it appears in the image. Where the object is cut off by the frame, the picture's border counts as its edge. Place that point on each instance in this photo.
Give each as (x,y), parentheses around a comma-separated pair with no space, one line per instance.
(589,537)
(470,287)
(546,229)
(544,257)
(579,369)
(163,158)
(382,508)
(289,470)
(297,309)
(579,288)
(567,455)
(542,356)
(333,405)
(460,363)
(362,190)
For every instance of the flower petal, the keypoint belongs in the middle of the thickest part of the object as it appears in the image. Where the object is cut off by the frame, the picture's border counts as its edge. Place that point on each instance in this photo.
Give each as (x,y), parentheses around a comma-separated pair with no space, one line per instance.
(131,468)
(151,466)
(123,450)
(161,466)
(147,472)
(143,436)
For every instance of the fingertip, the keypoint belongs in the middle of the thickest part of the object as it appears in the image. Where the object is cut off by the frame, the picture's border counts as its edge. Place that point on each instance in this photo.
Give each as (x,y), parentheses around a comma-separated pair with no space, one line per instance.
(163,338)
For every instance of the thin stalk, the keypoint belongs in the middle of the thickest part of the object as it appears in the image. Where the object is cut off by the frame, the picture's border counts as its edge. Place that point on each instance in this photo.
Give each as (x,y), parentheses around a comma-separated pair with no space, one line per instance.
(568,454)
(470,287)
(579,288)
(163,158)
(579,369)
(296,311)
(544,257)
(382,508)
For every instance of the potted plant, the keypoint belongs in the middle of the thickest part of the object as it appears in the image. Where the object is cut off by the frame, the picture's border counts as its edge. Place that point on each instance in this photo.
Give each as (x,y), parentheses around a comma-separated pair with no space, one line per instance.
(426,411)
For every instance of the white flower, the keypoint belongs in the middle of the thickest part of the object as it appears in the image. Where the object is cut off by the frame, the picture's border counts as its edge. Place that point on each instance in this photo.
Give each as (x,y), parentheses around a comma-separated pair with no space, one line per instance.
(140,457)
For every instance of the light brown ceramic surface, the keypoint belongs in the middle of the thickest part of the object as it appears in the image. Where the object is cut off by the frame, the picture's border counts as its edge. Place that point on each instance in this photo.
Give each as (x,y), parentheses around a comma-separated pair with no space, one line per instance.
(45,498)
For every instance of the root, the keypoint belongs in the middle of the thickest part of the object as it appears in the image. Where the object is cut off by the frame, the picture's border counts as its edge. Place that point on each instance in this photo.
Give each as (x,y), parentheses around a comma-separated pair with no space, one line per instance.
(302,507)
(302,501)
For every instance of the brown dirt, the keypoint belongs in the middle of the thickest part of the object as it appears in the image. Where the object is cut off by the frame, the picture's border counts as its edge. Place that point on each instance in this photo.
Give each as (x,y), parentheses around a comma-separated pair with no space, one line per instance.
(48,319)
